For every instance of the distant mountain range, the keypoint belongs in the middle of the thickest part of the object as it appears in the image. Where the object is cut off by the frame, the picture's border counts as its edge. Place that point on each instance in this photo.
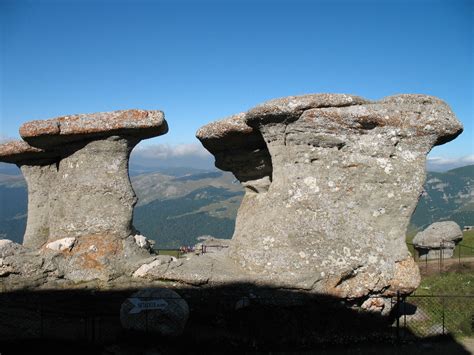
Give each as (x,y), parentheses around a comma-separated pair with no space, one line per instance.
(447,196)
(177,205)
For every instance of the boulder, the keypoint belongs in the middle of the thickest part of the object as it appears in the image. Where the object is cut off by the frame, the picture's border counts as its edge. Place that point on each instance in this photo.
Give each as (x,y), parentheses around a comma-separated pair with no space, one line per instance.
(155,268)
(439,238)
(160,311)
(61,244)
(342,177)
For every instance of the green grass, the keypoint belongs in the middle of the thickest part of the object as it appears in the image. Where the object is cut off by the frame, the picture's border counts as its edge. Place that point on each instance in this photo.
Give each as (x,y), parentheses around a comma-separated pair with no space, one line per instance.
(174,253)
(454,312)
(449,283)
(409,239)
(468,241)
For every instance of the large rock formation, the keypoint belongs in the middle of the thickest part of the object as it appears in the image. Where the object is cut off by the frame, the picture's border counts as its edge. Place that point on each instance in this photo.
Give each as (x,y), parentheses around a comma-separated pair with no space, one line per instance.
(438,240)
(342,176)
(76,168)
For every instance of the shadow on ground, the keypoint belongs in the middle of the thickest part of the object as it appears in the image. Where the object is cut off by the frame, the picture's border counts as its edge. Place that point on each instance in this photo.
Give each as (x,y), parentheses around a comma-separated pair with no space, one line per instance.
(236,318)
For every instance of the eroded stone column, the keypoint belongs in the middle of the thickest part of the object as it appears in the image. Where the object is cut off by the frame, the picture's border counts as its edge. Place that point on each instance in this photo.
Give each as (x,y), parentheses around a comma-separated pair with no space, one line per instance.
(39,169)
(346,176)
(90,200)
(92,194)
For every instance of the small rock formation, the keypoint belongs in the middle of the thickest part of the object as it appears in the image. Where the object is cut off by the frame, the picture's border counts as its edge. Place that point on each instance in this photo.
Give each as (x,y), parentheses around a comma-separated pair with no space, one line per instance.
(76,168)
(158,310)
(437,238)
(332,181)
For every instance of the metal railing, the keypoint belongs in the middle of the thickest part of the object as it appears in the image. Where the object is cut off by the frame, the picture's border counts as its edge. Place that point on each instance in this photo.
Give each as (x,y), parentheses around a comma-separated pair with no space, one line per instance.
(99,320)
(442,258)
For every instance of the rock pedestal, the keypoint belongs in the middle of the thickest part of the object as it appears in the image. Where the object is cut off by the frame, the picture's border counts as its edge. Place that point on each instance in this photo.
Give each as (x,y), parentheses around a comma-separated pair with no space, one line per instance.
(344,176)
(438,240)
(92,194)
(39,169)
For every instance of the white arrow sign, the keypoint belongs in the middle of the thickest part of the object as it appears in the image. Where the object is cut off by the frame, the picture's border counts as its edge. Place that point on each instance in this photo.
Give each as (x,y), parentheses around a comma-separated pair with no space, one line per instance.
(140,305)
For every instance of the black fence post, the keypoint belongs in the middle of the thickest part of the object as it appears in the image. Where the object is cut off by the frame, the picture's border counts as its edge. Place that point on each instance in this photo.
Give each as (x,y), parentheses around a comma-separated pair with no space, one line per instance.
(41,320)
(146,320)
(442,307)
(398,316)
(85,320)
(440,256)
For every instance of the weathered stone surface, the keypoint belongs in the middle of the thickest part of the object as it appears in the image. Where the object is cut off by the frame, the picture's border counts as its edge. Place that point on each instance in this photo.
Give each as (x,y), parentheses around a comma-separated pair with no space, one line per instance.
(39,169)
(136,123)
(345,178)
(155,268)
(8,248)
(92,192)
(437,238)
(168,320)
(40,180)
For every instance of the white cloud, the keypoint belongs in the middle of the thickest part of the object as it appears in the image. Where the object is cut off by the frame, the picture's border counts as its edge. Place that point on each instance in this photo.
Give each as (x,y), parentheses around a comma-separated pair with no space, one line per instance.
(448,163)
(186,155)
(167,151)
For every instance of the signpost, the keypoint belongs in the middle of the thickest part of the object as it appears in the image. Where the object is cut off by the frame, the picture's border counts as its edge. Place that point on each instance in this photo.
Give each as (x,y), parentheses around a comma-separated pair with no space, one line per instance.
(146,305)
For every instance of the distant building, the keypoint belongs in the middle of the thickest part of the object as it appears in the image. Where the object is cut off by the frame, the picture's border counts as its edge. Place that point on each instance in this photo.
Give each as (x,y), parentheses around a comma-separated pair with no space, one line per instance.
(468,228)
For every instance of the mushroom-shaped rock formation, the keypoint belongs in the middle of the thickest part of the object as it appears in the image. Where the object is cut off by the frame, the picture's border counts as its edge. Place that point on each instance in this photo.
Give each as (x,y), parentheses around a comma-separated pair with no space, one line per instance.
(92,193)
(39,169)
(438,240)
(76,169)
(346,174)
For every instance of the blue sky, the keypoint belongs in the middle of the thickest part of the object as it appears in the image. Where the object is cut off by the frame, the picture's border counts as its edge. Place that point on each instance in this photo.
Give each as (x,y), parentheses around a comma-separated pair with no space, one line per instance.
(199,61)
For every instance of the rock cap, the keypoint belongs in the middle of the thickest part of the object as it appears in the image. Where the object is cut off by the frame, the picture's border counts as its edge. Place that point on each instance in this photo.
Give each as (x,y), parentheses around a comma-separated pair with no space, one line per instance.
(19,152)
(424,115)
(229,133)
(139,123)
(291,107)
